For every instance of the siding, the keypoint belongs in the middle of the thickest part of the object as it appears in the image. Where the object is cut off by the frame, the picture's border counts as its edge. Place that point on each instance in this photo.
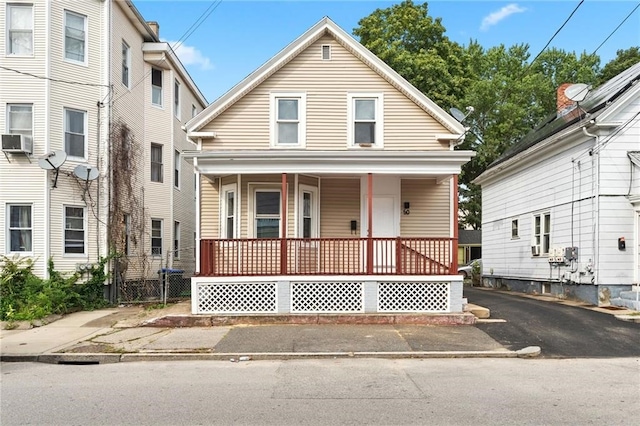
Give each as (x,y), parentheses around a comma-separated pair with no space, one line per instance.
(430,213)
(339,205)
(245,124)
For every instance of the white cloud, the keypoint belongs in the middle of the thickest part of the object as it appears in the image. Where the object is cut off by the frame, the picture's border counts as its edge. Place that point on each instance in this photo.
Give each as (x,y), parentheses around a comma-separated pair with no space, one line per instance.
(189,55)
(495,17)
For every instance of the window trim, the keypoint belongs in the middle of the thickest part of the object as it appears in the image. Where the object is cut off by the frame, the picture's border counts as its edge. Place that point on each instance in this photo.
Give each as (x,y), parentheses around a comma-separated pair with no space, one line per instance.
(176,240)
(194,110)
(155,219)
(84,134)
(152,163)
(322,50)
(85,19)
(176,98)
(9,127)
(9,228)
(177,169)
(253,189)
(84,231)
(224,231)
(315,211)
(161,87)
(126,61)
(302,118)
(8,31)
(543,243)
(379,119)
(515,226)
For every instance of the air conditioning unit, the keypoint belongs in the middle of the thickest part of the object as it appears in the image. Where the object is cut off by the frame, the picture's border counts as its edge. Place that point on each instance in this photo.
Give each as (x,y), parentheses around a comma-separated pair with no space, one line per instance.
(17,143)
(535,250)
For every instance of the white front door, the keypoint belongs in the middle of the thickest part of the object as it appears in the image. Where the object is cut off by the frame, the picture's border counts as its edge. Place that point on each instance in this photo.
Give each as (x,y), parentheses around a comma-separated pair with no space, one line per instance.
(386,220)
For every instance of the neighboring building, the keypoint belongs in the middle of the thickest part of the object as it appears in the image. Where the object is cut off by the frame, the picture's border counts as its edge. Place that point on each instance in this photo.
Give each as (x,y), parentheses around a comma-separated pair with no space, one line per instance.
(298,159)
(91,82)
(561,208)
(469,245)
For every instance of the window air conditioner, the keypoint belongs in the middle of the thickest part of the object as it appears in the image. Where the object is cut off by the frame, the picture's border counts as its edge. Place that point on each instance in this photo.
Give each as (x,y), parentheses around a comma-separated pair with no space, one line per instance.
(535,250)
(17,143)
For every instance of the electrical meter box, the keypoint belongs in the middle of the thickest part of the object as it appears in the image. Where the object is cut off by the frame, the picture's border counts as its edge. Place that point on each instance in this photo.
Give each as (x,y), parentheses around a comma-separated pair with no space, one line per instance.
(570,253)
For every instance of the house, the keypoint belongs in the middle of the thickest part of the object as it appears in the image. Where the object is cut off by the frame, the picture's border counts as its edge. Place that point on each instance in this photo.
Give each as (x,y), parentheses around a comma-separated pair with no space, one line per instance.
(91,112)
(326,184)
(561,207)
(469,245)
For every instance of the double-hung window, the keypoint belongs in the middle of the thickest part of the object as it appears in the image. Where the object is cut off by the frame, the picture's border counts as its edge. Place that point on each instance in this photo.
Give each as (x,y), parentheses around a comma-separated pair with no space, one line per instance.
(126,63)
(75,137)
(365,117)
(156,163)
(288,123)
(19,35)
(20,120)
(176,99)
(542,232)
(176,169)
(156,86)
(75,37)
(308,212)
(156,237)
(20,228)
(74,225)
(229,207)
(176,240)
(267,213)
(514,229)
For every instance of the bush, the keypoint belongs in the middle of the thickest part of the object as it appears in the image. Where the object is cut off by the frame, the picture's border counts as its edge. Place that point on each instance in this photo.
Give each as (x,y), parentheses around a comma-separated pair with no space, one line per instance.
(25,297)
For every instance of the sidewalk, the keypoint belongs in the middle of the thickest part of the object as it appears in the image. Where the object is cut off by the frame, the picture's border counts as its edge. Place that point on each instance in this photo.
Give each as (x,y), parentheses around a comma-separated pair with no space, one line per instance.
(132,334)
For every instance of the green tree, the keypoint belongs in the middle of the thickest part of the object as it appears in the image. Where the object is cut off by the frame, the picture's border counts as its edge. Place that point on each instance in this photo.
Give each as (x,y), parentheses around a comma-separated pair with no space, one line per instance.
(623,60)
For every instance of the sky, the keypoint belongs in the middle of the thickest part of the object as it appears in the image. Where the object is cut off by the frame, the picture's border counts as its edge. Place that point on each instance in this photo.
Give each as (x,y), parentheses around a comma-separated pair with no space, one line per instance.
(226,40)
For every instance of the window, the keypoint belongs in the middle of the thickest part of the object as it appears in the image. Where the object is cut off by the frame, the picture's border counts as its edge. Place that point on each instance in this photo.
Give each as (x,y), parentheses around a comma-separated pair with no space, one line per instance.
(127,234)
(20,119)
(20,29)
(176,99)
(156,86)
(229,211)
(308,212)
(156,163)
(176,240)
(194,111)
(514,229)
(326,52)
(74,132)
(74,230)
(126,63)
(176,169)
(267,213)
(365,119)
(156,237)
(20,228)
(75,36)
(542,232)
(288,119)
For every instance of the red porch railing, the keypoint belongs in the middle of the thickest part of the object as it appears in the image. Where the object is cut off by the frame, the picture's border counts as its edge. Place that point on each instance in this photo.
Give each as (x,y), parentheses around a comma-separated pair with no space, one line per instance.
(327,256)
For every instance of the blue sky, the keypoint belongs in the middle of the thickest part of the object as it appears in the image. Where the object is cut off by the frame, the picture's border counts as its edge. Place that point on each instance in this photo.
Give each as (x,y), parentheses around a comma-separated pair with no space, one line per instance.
(239,35)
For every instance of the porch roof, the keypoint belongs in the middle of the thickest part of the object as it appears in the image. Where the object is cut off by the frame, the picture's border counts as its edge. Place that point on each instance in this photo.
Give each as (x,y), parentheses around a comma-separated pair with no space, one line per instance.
(437,164)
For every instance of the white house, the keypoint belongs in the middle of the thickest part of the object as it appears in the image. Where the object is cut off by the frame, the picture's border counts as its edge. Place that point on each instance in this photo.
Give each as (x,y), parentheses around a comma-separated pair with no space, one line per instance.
(561,208)
(88,86)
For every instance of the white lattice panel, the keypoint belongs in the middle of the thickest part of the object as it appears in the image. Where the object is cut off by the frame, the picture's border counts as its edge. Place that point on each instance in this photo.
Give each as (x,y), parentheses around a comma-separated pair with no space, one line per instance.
(413,297)
(327,297)
(237,298)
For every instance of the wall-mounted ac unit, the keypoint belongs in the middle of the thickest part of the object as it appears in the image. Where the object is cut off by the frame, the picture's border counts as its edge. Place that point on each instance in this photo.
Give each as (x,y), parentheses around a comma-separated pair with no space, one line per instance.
(535,250)
(17,143)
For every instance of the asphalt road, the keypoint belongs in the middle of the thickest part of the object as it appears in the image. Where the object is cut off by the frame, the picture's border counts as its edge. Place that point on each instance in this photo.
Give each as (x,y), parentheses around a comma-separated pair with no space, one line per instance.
(561,331)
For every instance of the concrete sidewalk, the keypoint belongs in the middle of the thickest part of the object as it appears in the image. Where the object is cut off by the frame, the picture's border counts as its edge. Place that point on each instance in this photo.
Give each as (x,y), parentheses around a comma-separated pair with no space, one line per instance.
(133,334)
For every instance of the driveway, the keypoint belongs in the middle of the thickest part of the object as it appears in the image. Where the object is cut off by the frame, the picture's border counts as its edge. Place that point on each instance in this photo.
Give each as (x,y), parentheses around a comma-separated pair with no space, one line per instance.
(560,330)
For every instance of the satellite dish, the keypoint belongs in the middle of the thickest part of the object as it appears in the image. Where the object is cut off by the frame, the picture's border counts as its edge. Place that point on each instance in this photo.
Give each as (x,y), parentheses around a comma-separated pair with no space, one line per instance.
(53,161)
(457,114)
(85,172)
(577,92)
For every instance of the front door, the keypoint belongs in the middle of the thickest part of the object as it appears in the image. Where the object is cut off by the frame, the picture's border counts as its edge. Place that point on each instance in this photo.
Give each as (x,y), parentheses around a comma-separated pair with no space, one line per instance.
(386,207)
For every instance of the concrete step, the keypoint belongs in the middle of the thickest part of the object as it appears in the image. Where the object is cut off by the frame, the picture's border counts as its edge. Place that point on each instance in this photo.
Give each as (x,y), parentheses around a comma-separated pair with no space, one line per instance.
(630,295)
(626,303)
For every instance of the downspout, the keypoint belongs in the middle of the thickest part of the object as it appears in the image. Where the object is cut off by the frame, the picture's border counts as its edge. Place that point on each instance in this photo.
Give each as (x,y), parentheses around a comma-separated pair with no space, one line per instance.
(595,211)
(47,121)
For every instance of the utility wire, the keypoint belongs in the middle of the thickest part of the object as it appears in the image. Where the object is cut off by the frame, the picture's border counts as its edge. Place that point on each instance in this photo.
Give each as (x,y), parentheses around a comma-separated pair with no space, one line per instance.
(53,79)
(619,25)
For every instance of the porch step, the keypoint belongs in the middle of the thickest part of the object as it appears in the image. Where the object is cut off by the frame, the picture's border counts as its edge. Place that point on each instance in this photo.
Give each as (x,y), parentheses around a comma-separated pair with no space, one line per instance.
(480,312)
(203,320)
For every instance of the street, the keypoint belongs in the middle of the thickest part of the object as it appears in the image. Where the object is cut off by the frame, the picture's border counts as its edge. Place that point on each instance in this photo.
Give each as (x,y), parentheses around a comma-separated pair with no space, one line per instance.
(559,330)
(321,392)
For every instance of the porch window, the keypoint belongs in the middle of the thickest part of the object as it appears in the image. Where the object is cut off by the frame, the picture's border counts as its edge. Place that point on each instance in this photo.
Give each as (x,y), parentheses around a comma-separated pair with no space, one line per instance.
(288,112)
(229,211)
(308,212)
(542,232)
(365,119)
(267,214)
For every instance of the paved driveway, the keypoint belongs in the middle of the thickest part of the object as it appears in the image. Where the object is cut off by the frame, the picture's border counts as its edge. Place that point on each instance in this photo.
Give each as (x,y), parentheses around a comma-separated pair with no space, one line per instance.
(560,330)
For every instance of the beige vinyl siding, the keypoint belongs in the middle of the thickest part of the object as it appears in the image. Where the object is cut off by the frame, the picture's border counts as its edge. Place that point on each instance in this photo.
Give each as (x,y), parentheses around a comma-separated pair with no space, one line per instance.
(209,209)
(430,212)
(339,205)
(245,125)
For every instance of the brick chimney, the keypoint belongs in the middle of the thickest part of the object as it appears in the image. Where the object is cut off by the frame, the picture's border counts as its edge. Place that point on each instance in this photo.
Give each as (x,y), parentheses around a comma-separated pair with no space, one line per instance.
(562,102)
(155,27)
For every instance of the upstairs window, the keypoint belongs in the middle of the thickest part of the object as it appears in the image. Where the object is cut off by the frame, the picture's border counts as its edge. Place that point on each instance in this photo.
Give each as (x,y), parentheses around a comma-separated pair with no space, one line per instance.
(288,119)
(326,52)
(20,119)
(514,229)
(20,229)
(75,136)
(75,37)
(19,29)
(126,63)
(194,111)
(176,169)
(176,99)
(156,163)
(365,120)
(156,86)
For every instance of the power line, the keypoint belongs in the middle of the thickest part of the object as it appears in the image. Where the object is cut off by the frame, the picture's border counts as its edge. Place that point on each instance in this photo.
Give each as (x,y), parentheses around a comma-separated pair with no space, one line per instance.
(619,25)
(53,79)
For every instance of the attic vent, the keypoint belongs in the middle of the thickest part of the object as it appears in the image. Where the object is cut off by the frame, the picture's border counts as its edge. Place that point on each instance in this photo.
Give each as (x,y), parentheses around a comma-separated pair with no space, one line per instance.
(326,52)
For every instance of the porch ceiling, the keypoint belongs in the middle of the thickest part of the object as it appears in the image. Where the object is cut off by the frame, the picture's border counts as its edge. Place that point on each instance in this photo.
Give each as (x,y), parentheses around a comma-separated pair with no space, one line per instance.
(405,163)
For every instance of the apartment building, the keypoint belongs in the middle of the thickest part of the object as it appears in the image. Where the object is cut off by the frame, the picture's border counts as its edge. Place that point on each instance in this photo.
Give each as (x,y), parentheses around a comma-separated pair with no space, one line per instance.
(92,105)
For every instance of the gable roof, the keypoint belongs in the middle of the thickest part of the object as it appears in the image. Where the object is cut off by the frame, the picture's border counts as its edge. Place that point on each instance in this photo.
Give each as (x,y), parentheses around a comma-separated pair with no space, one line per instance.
(596,103)
(324,26)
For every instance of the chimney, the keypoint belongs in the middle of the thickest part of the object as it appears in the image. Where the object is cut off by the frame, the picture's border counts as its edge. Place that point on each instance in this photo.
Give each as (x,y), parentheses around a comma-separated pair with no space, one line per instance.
(155,27)
(562,102)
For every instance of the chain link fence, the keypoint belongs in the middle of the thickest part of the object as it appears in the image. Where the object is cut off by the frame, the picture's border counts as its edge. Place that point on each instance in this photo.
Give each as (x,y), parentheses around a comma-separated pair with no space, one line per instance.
(168,285)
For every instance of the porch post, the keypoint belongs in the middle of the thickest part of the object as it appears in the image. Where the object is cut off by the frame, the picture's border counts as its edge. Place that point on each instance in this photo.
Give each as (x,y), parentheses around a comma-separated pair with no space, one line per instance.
(283,240)
(454,258)
(370,224)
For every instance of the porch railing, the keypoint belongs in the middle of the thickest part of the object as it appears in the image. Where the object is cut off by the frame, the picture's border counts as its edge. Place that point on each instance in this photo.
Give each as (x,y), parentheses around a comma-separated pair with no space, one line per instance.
(327,256)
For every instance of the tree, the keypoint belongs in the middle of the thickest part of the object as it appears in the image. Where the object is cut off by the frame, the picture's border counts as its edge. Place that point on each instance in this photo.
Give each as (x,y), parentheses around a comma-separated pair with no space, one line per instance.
(623,60)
